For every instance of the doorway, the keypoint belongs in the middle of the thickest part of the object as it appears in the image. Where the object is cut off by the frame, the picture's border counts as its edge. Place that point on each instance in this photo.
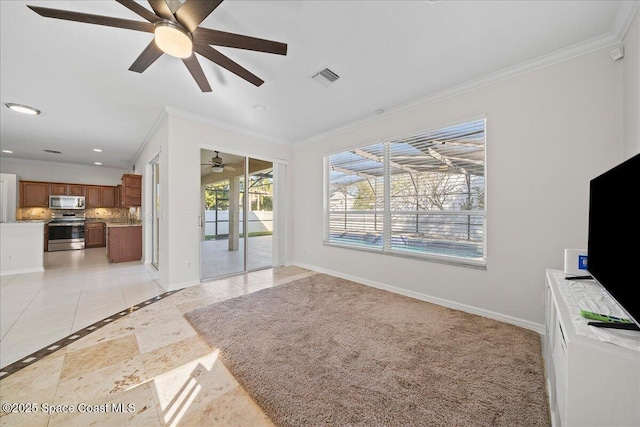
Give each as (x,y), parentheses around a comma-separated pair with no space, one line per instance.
(237,214)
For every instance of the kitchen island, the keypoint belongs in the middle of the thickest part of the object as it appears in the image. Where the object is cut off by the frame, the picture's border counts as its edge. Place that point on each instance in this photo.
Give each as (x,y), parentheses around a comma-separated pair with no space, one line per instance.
(21,247)
(124,242)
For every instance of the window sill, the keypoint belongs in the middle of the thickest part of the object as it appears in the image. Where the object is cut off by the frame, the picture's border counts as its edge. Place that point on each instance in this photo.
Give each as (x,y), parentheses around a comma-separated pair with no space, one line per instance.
(461,262)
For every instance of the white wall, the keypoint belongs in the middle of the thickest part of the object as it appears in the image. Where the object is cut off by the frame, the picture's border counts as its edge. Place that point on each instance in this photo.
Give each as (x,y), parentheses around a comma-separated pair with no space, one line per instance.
(548,133)
(35,170)
(21,248)
(180,187)
(631,73)
(8,196)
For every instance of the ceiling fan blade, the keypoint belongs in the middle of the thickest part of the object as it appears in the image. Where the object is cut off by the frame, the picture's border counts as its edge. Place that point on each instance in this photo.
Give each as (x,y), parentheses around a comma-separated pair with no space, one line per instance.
(215,56)
(161,8)
(193,12)
(140,10)
(93,19)
(231,168)
(238,41)
(146,58)
(196,71)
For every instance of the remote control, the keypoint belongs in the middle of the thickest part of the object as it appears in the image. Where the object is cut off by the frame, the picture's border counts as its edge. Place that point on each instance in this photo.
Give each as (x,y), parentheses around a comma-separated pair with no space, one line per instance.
(603,317)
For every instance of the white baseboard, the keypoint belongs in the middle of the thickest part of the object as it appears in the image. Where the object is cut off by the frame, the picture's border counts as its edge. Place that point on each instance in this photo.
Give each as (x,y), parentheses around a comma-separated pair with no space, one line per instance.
(22,271)
(536,327)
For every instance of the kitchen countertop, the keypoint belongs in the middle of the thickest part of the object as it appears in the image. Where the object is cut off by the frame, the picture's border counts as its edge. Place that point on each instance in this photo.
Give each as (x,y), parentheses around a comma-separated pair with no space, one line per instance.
(123,224)
(109,223)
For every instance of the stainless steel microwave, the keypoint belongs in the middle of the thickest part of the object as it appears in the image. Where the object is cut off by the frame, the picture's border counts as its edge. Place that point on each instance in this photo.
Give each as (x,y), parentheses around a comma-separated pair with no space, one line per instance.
(66,202)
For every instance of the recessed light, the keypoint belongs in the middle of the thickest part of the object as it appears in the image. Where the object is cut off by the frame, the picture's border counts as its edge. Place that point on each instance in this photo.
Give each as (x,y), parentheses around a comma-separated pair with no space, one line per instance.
(97,150)
(7,151)
(97,163)
(259,107)
(25,109)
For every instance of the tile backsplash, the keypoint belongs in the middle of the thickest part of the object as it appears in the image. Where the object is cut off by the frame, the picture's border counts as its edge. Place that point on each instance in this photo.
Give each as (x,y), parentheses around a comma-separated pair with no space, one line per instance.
(112,214)
(109,214)
(33,213)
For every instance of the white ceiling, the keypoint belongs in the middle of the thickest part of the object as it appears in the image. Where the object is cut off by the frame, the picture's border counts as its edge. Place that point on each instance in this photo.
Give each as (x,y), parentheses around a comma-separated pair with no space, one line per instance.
(387,53)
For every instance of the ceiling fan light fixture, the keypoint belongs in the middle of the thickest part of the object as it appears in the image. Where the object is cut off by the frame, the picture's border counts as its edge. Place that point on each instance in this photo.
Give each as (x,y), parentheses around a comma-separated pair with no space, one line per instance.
(172,39)
(217,169)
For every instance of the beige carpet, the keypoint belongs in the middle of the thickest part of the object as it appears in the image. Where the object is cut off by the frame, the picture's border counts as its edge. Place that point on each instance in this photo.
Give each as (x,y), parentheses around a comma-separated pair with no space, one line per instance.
(323,351)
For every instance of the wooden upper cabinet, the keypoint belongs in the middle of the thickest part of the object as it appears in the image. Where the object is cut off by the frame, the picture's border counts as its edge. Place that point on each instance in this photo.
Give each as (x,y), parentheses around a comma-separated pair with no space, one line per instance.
(108,197)
(100,197)
(58,189)
(34,194)
(117,195)
(131,191)
(92,198)
(76,190)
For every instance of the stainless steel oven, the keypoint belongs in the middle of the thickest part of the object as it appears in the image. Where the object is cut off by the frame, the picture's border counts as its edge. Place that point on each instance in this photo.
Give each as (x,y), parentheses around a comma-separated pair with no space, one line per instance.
(66,233)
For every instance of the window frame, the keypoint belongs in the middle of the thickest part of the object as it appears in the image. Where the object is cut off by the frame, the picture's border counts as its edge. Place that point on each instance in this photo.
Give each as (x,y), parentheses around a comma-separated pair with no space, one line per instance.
(387,212)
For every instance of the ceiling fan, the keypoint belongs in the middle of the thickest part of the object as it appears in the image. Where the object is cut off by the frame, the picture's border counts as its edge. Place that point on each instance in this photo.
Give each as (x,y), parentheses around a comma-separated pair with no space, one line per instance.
(175,24)
(217,166)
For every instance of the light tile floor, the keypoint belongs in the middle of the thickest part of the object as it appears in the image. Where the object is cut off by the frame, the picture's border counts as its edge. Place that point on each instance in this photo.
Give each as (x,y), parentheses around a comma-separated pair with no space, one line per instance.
(147,368)
(76,289)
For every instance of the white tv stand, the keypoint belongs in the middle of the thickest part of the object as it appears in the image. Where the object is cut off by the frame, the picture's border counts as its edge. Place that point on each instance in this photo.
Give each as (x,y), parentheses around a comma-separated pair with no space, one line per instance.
(590,382)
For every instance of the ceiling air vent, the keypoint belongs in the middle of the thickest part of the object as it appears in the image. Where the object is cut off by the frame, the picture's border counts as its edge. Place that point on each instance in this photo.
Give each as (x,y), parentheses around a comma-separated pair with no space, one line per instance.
(325,77)
(53,151)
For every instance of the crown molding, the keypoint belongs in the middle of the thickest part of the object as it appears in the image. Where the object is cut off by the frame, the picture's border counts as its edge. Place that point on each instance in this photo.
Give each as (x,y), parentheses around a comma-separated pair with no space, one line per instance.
(186,115)
(162,117)
(623,18)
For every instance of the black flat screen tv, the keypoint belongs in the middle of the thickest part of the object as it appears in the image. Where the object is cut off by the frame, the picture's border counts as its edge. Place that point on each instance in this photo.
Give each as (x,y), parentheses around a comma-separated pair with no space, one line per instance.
(613,250)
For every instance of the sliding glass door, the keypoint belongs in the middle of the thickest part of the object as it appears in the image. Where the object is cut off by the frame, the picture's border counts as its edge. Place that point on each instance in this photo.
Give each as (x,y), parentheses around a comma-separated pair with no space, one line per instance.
(259,215)
(237,214)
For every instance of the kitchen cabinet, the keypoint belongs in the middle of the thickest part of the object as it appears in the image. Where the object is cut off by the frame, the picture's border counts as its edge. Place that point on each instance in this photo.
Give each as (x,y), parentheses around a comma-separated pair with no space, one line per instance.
(100,197)
(93,199)
(119,194)
(59,189)
(108,197)
(124,243)
(94,235)
(34,194)
(131,191)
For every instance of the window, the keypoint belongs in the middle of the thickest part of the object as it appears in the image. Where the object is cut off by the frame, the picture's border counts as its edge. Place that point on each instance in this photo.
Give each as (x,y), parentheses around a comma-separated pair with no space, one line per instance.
(419,196)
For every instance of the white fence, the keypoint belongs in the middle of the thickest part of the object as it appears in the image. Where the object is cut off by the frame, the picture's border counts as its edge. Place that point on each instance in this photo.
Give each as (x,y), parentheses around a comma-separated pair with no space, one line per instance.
(258,221)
